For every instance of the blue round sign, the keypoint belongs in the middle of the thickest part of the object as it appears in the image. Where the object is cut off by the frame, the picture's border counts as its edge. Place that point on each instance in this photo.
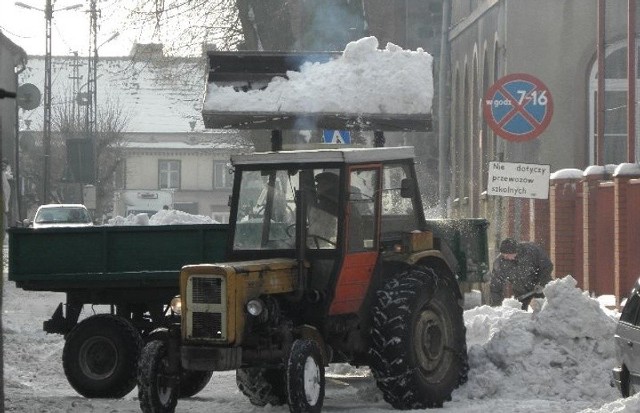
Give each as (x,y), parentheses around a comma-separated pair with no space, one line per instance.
(518,107)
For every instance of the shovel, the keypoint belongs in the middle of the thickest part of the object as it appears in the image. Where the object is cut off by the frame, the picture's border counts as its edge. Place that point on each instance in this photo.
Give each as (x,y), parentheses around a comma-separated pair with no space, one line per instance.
(536,290)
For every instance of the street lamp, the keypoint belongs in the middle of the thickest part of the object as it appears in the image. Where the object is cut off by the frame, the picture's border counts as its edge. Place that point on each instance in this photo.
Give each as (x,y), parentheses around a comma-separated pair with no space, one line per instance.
(48,16)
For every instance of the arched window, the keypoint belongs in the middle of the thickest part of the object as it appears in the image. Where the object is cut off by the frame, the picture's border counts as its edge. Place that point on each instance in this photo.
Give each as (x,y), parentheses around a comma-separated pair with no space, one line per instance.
(615,118)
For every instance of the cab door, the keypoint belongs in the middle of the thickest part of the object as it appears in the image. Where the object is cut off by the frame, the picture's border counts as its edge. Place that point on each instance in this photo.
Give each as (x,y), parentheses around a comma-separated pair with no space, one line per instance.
(361,246)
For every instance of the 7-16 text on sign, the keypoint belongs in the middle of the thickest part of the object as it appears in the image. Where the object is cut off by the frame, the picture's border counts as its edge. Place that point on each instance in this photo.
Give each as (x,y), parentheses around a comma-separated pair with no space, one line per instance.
(519,180)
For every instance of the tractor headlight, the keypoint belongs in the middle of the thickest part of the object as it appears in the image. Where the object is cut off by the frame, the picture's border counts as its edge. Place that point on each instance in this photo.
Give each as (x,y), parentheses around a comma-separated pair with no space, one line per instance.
(176,305)
(255,307)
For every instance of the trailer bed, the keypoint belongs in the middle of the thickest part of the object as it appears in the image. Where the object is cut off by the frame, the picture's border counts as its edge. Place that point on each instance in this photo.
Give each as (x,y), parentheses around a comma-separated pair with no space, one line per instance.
(110,257)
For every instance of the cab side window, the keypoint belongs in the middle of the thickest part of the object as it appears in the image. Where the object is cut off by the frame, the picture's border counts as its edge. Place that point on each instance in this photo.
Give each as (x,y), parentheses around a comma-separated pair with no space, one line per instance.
(397,212)
(362,225)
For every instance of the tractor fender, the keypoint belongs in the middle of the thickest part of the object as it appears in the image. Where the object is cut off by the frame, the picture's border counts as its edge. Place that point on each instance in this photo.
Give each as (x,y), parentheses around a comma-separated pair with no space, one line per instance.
(443,264)
(445,254)
(310,332)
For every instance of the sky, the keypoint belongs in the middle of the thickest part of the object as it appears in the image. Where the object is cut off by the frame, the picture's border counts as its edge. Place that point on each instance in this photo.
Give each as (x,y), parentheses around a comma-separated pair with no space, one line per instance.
(69,28)
(556,358)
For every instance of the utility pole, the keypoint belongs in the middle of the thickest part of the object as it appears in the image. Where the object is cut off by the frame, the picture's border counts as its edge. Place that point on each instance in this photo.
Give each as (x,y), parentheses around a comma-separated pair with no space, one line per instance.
(76,78)
(92,70)
(92,89)
(48,15)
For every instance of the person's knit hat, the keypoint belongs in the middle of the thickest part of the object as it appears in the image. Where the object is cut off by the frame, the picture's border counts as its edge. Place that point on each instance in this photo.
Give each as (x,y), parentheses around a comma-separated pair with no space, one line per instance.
(328,177)
(509,246)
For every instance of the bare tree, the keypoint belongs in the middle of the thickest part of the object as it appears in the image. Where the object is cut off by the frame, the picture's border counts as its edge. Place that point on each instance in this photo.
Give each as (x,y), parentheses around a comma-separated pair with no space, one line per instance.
(185,26)
(253,24)
(70,123)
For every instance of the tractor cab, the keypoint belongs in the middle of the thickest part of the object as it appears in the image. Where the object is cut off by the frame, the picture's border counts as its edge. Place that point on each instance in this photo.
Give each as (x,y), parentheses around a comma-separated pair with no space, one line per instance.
(337,211)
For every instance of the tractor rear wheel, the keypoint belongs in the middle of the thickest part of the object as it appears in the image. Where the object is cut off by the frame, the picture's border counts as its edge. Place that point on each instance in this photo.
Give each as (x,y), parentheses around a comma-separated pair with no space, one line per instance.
(262,386)
(418,354)
(193,382)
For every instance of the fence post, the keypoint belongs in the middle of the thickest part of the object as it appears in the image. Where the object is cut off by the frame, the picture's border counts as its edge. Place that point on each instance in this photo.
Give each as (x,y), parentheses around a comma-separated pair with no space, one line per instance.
(625,238)
(562,207)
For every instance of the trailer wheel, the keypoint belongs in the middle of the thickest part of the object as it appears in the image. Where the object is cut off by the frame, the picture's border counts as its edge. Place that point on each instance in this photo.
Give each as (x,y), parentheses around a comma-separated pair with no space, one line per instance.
(305,377)
(100,356)
(418,354)
(157,391)
(262,386)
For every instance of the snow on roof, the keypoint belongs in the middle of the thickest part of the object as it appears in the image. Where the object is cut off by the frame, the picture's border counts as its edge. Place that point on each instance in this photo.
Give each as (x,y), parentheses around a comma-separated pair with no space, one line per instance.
(364,79)
(157,95)
(347,154)
(178,145)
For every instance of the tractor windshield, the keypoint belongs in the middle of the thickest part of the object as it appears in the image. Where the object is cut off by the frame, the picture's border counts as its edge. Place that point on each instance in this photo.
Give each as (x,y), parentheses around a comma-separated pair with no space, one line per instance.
(266,217)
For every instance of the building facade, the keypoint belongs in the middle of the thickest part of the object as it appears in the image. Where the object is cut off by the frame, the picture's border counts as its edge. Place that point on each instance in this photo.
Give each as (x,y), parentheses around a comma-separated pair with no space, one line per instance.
(193,167)
(12,62)
(162,144)
(555,42)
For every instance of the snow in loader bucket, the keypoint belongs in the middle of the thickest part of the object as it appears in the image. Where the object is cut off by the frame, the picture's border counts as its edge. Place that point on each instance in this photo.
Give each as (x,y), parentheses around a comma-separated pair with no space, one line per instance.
(362,88)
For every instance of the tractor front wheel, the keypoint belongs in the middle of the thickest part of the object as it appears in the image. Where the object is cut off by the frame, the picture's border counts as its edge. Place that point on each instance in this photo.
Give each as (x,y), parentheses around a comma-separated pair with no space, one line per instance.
(158,389)
(305,377)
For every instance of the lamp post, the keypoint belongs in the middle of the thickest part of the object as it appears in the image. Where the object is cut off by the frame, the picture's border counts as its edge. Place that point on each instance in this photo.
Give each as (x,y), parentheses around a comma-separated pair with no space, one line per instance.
(48,16)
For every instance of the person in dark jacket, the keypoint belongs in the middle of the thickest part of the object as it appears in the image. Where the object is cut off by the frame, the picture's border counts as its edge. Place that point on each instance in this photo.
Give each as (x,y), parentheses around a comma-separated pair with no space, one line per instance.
(525,265)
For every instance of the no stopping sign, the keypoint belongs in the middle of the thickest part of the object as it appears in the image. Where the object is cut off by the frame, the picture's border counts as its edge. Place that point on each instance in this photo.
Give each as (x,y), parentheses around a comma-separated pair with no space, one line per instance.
(518,107)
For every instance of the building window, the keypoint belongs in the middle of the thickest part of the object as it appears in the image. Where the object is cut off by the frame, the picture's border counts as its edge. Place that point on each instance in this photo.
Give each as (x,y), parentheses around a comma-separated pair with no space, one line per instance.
(615,102)
(222,178)
(168,174)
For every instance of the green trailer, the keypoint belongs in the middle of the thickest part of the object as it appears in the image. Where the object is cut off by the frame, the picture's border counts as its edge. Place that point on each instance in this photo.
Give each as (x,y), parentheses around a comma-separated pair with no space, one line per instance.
(128,274)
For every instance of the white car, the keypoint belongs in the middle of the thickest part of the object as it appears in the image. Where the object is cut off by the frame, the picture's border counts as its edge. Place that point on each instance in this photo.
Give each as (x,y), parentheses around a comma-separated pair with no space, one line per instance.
(62,215)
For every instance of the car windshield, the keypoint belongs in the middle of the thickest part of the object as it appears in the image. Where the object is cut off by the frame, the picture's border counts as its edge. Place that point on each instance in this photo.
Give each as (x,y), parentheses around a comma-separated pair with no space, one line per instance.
(66,215)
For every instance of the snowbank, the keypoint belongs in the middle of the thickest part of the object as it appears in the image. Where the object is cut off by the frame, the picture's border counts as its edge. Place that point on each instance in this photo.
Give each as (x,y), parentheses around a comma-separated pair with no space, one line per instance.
(364,79)
(562,351)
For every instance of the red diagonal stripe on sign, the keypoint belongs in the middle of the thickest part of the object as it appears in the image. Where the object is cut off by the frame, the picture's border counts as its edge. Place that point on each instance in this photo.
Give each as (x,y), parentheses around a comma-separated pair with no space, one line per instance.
(517,108)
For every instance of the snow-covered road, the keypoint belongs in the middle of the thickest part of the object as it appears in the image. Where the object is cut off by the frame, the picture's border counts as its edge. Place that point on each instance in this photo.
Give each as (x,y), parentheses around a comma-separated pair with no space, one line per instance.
(539,371)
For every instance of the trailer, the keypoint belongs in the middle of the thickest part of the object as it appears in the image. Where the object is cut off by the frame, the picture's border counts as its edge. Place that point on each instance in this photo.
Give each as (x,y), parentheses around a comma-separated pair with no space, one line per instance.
(132,271)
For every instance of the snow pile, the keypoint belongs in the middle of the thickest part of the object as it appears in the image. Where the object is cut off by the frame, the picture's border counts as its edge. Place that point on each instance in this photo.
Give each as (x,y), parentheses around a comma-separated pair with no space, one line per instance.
(364,79)
(162,217)
(562,351)
(630,405)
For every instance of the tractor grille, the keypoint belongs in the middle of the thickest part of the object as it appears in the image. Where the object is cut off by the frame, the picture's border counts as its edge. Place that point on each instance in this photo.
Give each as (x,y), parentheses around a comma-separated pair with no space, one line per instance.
(207,325)
(207,290)
(206,315)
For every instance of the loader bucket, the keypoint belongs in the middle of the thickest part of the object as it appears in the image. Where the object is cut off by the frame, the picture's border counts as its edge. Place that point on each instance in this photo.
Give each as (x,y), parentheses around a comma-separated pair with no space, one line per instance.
(253,70)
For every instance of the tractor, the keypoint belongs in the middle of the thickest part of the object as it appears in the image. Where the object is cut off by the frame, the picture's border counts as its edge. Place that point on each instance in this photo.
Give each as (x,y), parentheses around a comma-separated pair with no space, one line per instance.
(330,260)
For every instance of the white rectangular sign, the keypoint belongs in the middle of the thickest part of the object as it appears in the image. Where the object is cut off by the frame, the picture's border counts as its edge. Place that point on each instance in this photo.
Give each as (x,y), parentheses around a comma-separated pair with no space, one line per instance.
(519,180)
